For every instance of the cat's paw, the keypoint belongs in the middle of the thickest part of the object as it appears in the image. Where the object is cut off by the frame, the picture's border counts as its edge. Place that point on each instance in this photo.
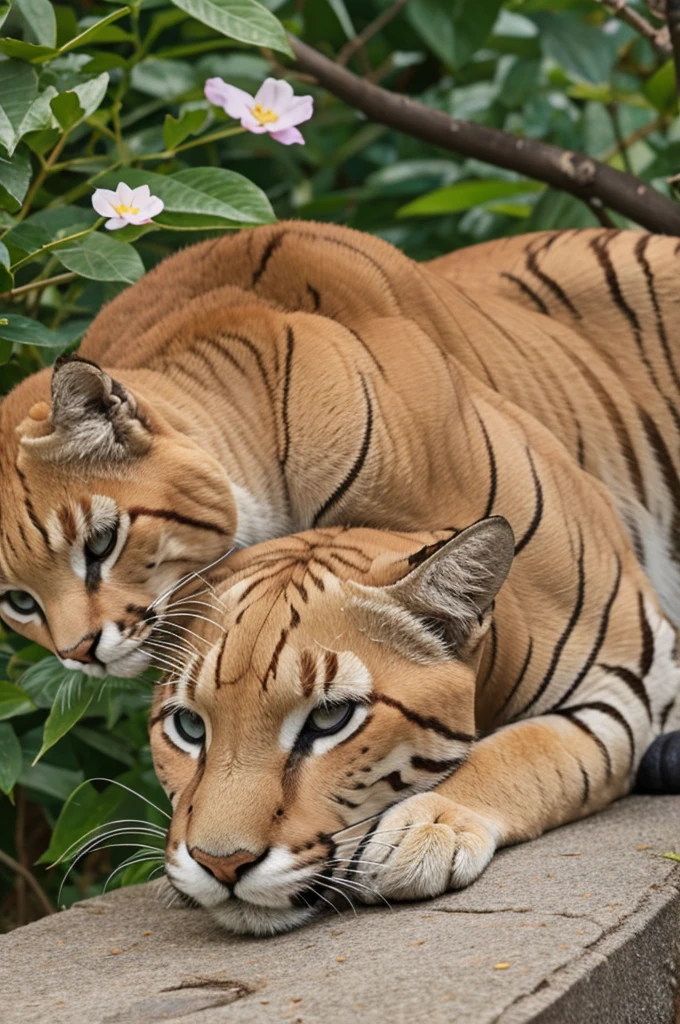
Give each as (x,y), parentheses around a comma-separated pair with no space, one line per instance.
(425,846)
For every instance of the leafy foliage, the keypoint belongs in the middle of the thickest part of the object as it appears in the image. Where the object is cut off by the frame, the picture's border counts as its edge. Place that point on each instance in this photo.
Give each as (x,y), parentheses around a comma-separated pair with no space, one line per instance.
(91,96)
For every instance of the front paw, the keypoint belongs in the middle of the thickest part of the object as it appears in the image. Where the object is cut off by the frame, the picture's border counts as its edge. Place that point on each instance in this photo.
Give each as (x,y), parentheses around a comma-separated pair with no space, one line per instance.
(426,846)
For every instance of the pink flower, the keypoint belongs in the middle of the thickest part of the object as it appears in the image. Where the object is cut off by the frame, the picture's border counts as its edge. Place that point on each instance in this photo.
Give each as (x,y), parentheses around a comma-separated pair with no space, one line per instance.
(126,205)
(274,108)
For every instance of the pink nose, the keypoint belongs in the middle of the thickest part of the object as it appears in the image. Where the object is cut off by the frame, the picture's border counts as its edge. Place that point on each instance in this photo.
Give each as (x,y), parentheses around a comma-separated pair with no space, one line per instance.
(225,869)
(85,651)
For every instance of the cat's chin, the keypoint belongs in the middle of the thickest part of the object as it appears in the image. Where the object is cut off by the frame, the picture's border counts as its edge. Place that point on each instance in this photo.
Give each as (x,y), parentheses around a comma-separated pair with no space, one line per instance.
(241,918)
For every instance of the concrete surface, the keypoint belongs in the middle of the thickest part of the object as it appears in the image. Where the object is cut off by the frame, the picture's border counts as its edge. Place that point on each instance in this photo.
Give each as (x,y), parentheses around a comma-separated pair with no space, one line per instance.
(585,918)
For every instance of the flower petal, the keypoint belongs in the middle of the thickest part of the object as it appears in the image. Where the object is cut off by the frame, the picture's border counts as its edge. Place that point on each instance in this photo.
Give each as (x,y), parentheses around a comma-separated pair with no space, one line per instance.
(233,101)
(298,110)
(146,212)
(124,193)
(288,136)
(115,223)
(140,195)
(275,94)
(102,200)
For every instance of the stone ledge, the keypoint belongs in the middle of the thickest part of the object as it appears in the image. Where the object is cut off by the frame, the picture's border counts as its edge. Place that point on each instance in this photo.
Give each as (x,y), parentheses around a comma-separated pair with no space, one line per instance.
(586,920)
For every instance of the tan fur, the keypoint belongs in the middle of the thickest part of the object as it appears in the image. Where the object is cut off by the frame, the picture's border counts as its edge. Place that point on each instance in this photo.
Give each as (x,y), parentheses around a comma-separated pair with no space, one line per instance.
(298,624)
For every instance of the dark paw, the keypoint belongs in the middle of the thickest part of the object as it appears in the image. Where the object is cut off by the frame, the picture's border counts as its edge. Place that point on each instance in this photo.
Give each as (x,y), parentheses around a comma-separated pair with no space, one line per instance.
(659,770)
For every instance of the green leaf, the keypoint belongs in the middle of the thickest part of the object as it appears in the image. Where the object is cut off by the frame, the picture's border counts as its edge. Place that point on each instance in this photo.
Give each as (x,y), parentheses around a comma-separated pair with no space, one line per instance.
(342,14)
(102,258)
(450,28)
(18,90)
(583,51)
(39,16)
(10,758)
(14,701)
(176,130)
(27,51)
(225,196)
(6,276)
(244,20)
(24,331)
(164,79)
(84,810)
(50,780)
(93,32)
(72,701)
(39,115)
(4,11)
(660,88)
(105,743)
(67,110)
(465,195)
(559,210)
(15,177)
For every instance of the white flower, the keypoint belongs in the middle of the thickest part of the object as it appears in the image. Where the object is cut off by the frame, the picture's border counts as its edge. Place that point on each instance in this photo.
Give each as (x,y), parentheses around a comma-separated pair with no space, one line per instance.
(274,108)
(126,205)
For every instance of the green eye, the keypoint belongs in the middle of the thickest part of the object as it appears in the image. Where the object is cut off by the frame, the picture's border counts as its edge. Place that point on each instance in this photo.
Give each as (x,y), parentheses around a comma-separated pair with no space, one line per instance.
(21,601)
(330,718)
(189,725)
(101,544)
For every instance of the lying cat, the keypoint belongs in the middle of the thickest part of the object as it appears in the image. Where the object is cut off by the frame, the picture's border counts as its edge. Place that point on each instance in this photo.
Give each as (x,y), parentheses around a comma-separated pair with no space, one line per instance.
(317,740)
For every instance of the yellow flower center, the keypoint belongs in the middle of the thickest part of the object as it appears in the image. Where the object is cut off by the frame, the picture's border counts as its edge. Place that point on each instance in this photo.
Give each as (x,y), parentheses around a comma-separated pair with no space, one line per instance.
(123,209)
(262,115)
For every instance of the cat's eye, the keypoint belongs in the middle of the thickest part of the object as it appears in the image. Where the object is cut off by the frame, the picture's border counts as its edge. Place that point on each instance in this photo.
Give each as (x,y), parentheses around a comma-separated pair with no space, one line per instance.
(190,726)
(102,543)
(21,601)
(329,718)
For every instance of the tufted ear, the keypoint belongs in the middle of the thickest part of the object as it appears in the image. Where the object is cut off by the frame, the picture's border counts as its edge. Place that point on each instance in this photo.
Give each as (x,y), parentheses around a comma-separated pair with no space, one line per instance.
(440,608)
(93,418)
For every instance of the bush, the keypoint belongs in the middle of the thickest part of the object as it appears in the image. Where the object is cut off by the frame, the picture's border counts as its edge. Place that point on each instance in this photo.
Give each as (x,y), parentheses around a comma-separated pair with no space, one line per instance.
(97,93)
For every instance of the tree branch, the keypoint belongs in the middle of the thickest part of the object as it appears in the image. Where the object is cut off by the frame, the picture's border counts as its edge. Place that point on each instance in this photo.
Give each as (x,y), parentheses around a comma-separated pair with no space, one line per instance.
(27,876)
(572,172)
(673,20)
(658,37)
(388,15)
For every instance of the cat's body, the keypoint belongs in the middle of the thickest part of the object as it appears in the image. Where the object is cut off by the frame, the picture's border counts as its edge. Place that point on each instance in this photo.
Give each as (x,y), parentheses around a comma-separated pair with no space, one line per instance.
(300,376)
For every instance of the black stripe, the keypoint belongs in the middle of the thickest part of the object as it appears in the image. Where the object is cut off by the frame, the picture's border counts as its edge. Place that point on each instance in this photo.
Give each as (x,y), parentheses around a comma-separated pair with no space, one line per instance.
(538,513)
(425,764)
(599,639)
(571,625)
(269,250)
(218,665)
(586,784)
(316,298)
(31,511)
(633,682)
(666,712)
(175,517)
(290,347)
(354,472)
(431,723)
(641,257)
(599,246)
(549,282)
(647,652)
(520,678)
(569,714)
(669,473)
(529,292)
(367,348)
(493,470)
(615,715)
(493,637)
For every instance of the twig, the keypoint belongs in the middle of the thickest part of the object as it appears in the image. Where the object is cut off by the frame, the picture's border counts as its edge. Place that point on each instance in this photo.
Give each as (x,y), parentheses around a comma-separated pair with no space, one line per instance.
(673,20)
(359,41)
(42,174)
(570,171)
(630,140)
(613,111)
(32,285)
(27,876)
(658,37)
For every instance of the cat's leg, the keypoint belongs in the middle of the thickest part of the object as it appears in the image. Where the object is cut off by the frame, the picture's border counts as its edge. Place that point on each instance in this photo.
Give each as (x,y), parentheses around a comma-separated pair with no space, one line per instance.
(517,783)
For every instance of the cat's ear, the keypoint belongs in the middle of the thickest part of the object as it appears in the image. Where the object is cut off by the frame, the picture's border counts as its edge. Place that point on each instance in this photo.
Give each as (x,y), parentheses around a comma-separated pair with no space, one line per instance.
(92,420)
(441,608)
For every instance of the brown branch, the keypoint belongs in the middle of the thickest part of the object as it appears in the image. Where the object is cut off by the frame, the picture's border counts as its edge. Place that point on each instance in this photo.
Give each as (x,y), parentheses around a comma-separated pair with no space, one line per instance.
(673,20)
(572,172)
(26,876)
(359,41)
(658,37)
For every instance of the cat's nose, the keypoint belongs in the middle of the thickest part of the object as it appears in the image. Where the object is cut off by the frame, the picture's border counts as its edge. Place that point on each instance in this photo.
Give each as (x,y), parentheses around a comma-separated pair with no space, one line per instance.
(85,650)
(225,869)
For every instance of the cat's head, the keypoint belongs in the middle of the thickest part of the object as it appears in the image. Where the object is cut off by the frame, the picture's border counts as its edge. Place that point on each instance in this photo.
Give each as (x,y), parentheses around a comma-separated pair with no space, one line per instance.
(337,679)
(103,509)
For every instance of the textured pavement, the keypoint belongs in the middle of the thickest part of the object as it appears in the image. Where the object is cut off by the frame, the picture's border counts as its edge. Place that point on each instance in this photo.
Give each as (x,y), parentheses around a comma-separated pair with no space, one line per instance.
(579,926)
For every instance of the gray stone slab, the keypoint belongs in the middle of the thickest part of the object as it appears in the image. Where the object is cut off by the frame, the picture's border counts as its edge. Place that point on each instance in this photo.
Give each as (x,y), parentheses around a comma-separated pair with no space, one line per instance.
(585,918)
